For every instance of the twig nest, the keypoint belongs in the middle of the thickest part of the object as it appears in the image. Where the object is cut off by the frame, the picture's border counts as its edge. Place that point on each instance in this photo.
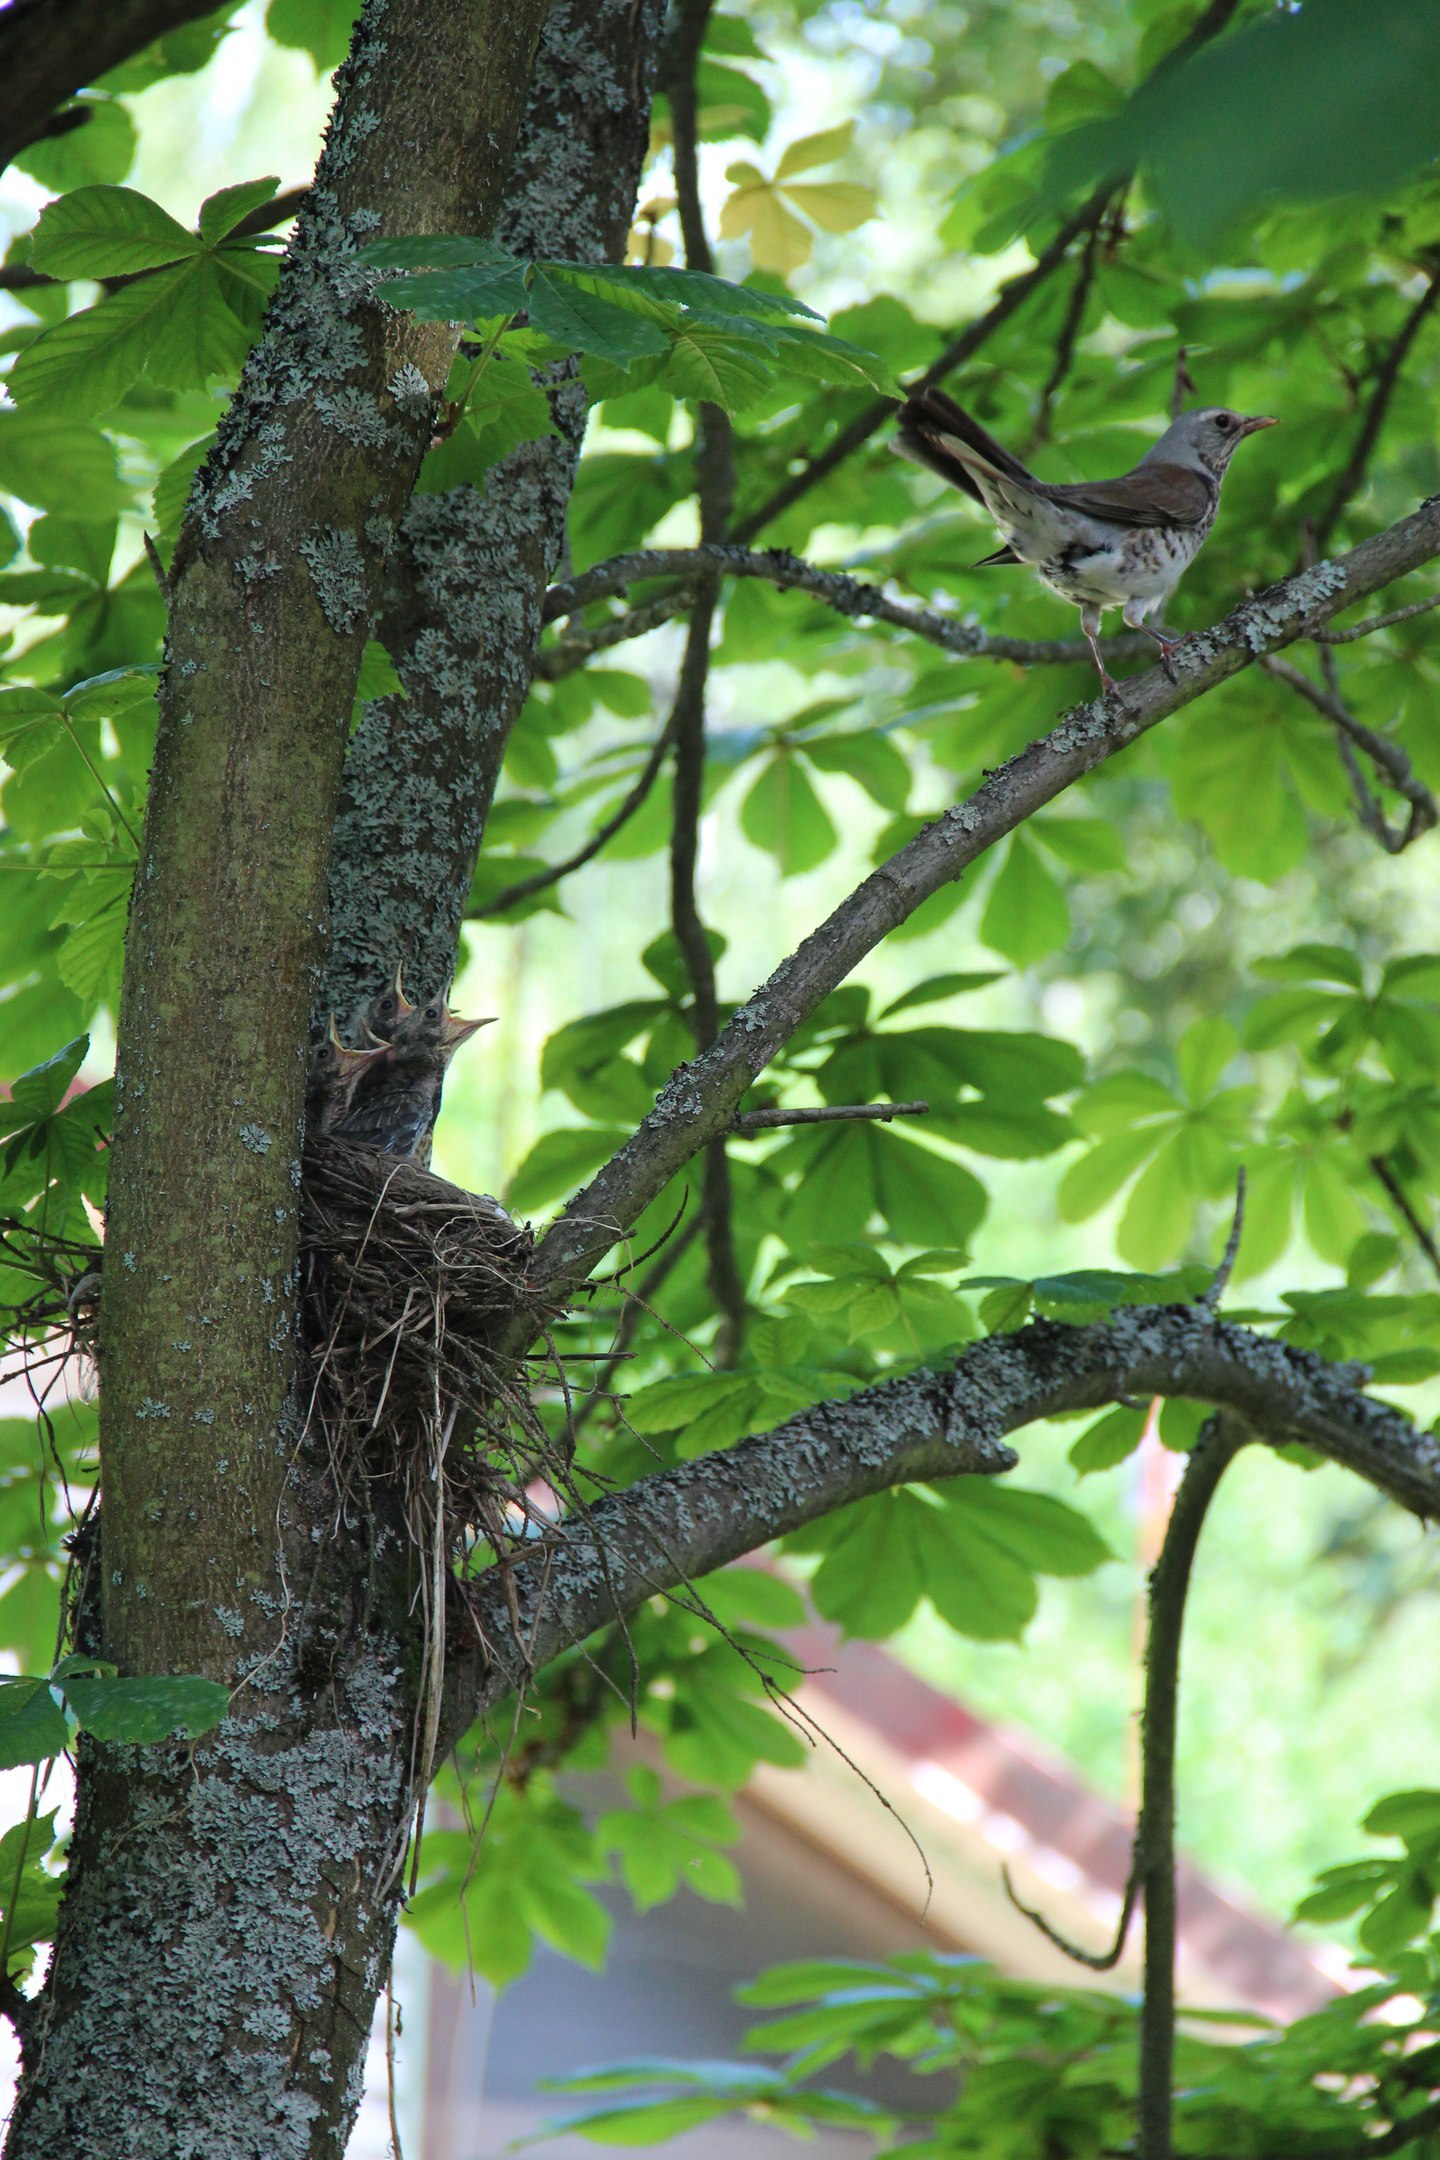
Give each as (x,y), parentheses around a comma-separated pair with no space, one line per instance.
(406,1279)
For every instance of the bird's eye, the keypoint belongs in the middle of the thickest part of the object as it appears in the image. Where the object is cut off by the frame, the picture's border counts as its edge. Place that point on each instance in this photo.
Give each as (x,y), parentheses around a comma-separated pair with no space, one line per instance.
(1225,421)
(432,1012)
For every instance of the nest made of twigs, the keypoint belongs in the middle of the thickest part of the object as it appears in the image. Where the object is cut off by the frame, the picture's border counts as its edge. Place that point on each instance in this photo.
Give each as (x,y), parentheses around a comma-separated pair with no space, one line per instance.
(406,1282)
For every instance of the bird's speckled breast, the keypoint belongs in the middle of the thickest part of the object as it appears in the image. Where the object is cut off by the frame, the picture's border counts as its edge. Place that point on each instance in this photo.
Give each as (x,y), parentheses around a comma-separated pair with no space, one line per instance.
(1131,562)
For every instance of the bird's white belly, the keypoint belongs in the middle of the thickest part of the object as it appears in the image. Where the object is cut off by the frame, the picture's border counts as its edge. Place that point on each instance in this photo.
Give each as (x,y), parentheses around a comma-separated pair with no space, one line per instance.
(1099,564)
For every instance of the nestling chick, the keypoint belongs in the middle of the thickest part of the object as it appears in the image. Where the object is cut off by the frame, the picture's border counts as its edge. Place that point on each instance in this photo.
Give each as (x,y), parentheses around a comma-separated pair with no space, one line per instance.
(398,1098)
(333,1076)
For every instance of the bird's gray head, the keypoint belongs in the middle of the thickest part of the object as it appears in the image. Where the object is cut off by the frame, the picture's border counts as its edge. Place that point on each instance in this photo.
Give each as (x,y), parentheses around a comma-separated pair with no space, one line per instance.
(1206,437)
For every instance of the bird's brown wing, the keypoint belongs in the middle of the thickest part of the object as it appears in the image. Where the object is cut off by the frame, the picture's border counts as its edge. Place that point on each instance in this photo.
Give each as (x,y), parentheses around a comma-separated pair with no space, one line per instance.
(932,425)
(1158,494)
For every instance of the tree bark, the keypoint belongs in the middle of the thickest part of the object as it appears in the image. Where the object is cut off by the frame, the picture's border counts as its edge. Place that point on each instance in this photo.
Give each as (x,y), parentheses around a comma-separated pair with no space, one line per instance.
(224,1930)
(466,586)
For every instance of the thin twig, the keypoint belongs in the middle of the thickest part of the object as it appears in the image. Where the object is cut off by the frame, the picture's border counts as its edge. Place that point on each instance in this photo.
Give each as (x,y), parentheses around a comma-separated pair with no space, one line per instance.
(751,1121)
(1220,1441)
(1097,1960)
(1069,332)
(1399,1197)
(1372,623)
(1387,757)
(1220,1282)
(161,575)
(846,595)
(1387,380)
(392,2028)
(541,880)
(575,647)
(637,1304)
(1183,385)
(715,490)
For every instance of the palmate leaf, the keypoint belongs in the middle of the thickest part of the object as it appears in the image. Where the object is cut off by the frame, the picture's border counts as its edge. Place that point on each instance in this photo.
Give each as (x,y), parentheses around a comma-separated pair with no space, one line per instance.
(688,333)
(98,232)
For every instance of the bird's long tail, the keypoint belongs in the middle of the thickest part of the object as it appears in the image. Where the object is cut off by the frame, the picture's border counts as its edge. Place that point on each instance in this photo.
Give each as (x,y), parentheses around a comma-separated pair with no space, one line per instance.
(933,430)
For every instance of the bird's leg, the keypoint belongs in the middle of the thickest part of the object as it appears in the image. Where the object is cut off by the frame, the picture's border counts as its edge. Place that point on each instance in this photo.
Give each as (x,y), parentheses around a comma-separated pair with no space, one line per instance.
(1090,624)
(1167,645)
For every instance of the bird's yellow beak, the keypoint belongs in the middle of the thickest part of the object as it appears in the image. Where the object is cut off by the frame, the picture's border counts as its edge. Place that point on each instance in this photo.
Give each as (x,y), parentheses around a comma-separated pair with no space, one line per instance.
(457,1031)
(1254,425)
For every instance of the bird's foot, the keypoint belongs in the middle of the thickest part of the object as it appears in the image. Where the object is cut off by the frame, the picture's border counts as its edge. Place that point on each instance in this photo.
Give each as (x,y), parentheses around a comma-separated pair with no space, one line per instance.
(1169,646)
(1108,684)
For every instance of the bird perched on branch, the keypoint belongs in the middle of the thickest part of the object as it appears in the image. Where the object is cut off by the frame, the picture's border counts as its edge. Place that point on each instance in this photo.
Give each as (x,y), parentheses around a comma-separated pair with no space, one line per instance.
(1101,543)
(334,1074)
(397,1099)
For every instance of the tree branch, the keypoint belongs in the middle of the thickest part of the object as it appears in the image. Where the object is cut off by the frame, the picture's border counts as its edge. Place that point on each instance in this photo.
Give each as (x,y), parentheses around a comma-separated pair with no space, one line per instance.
(575,647)
(620,816)
(1377,622)
(1212,1455)
(318,451)
(753,1121)
(49,49)
(1386,756)
(701,1098)
(1386,382)
(1069,332)
(715,489)
(1406,1211)
(685,1522)
(847,595)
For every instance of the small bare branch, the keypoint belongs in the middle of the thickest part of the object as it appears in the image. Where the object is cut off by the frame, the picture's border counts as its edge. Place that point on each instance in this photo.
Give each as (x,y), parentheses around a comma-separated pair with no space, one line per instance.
(753,1121)
(1387,757)
(1220,1283)
(1405,1210)
(1220,1442)
(542,880)
(1373,623)
(1097,1960)
(846,595)
(1183,385)
(1387,378)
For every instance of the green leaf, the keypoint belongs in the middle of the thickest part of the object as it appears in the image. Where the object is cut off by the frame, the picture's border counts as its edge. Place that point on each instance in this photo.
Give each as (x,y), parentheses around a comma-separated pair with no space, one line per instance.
(1405,1815)
(1110,1440)
(141,1712)
(32,1724)
(41,1090)
(559,1162)
(53,462)
(320,27)
(101,148)
(1026,914)
(584,322)
(783,814)
(102,232)
(176,321)
(221,213)
(461,293)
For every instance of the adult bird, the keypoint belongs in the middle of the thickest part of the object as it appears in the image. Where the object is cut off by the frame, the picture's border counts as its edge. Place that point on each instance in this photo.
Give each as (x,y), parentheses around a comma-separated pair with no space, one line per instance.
(1100,543)
(396,1105)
